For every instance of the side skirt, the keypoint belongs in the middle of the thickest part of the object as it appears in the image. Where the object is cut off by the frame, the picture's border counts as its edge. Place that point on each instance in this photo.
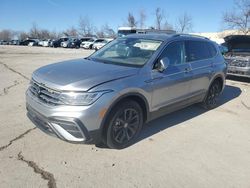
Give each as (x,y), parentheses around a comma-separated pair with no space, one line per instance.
(176,106)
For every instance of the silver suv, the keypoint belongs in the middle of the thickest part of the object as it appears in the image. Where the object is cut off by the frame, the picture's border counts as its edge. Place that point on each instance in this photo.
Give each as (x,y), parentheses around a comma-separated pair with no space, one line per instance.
(237,55)
(108,96)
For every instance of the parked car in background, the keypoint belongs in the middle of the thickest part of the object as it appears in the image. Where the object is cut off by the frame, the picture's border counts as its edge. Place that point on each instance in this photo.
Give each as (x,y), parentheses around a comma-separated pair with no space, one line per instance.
(65,43)
(4,42)
(238,55)
(99,43)
(51,42)
(57,43)
(33,43)
(88,44)
(71,43)
(29,42)
(83,39)
(40,43)
(74,43)
(46,43)
(14,42)
(108,96)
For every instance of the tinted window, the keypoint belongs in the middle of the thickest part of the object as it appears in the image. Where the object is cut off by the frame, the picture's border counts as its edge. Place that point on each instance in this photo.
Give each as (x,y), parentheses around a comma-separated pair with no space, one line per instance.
(212,49)
(197,50)
(175,53)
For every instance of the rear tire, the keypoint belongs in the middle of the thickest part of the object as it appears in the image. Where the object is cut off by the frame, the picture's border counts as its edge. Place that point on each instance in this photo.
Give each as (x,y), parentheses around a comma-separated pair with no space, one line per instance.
(212,96)
(124,125)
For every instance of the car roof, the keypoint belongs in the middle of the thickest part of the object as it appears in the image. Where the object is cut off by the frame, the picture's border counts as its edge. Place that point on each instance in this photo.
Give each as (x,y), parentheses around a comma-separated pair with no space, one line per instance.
(162,37)
(165,37)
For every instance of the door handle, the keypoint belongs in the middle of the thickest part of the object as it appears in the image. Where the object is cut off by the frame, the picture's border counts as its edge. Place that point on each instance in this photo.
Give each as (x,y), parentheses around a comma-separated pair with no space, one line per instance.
(187,70)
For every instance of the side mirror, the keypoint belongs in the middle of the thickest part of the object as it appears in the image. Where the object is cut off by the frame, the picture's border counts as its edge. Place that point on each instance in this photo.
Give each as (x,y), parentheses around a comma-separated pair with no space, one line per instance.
(162,64)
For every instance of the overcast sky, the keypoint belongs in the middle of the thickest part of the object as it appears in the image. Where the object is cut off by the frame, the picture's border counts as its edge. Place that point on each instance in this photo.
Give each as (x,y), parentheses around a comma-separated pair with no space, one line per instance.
(58,15)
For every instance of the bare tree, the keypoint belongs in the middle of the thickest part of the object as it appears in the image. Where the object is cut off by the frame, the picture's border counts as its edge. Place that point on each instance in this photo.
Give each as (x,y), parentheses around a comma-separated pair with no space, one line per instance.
(44,34)
(108,31)
(184,23)
(142,19)
(72,31)
(240,17)
(100,33)
(86,28)
(34,31)
(167,26)
(131,22)
(55,35)
(6,34)
(159,17)
(23,35)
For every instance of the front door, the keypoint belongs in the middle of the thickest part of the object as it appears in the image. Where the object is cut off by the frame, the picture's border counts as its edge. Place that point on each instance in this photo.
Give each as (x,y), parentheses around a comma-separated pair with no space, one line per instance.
(173,84)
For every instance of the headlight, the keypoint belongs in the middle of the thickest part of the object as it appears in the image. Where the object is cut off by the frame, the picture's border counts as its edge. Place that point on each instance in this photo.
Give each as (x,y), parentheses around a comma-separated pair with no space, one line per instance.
(81,98)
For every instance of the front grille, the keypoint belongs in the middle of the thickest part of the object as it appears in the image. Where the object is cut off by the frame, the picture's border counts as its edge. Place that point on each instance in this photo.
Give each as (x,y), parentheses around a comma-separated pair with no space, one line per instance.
(237,63)
(45,94)
(237,72)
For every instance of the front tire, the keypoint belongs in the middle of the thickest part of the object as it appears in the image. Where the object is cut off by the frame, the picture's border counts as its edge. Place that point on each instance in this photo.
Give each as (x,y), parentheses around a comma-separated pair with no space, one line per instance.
(212,96)
(124,125)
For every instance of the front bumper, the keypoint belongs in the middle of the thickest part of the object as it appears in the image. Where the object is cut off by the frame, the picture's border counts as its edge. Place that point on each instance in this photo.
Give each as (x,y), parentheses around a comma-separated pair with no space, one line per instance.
(238,71)
(70,123)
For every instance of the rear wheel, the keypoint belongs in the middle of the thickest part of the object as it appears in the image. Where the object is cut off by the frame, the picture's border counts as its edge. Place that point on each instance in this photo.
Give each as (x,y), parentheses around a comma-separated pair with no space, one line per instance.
(125,124)
(211,99)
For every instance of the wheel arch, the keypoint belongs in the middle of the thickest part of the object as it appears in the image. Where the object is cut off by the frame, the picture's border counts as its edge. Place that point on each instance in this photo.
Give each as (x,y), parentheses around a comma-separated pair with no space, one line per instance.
(220,78)
(139,98)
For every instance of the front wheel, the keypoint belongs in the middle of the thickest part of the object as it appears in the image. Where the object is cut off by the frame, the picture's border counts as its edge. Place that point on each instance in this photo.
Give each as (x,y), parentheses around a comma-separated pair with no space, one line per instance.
(125,124)
(213,93)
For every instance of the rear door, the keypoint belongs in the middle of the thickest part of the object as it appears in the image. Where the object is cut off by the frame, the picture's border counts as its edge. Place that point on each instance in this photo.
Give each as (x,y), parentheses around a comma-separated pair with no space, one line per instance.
(198,54)
(173,84)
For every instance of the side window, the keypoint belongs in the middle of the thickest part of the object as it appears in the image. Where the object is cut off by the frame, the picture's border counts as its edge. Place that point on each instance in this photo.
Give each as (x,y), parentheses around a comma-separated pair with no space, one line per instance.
(197,50)
(212,50)
(175,53)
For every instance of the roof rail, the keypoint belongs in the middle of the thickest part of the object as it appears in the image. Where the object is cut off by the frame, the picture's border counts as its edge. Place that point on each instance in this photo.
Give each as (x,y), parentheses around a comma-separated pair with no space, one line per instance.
(189,35)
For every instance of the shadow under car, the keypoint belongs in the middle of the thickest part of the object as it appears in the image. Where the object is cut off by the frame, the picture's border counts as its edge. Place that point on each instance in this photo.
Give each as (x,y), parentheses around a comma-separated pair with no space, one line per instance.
(177,117)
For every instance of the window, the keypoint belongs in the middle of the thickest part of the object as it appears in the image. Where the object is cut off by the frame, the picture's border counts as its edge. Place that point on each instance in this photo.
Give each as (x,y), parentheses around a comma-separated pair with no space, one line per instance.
(197,50)
(212,50)
(175,53)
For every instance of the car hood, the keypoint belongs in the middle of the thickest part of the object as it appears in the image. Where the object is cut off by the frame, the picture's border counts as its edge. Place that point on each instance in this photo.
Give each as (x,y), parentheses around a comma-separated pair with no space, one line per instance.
(238,42)
(80,74)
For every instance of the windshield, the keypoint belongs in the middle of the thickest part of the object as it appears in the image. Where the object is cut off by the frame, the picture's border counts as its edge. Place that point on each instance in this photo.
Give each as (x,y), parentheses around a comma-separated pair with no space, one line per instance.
(127,51)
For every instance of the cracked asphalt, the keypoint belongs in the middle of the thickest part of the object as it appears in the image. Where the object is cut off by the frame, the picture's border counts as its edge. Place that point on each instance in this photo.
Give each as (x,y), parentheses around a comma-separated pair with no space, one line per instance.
(188,148)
